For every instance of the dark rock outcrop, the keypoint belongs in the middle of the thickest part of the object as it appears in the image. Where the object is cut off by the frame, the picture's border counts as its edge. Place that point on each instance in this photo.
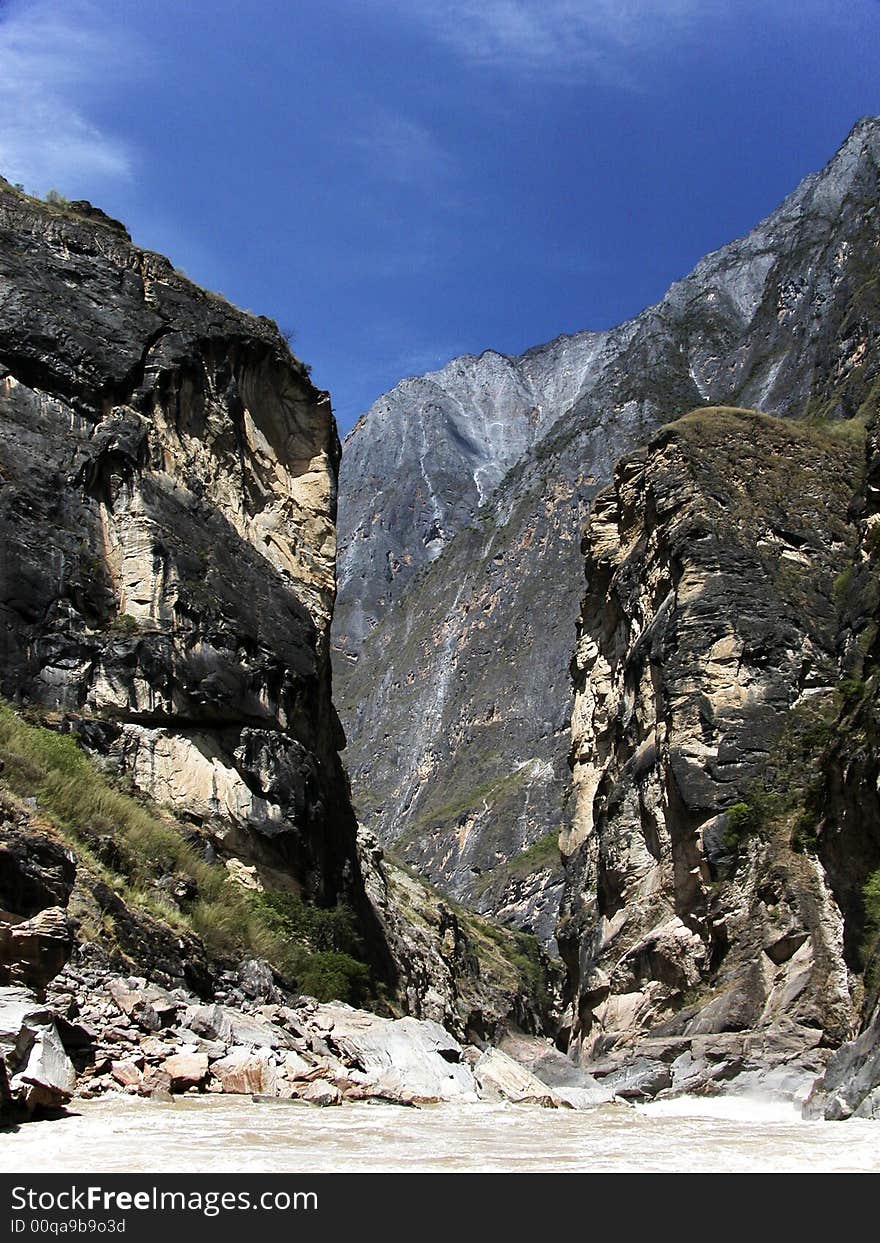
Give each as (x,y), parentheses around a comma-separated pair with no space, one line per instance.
(37,876)
(167,506)
(463,497)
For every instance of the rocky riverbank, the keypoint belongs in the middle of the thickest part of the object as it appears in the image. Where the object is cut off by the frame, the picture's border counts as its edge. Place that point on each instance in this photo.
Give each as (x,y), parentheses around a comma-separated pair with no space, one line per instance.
(99,1033)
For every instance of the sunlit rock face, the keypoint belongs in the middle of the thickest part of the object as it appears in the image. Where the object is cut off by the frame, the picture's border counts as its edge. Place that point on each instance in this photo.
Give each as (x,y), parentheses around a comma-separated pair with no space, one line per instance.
(167,509)
(463,498)
(706,677)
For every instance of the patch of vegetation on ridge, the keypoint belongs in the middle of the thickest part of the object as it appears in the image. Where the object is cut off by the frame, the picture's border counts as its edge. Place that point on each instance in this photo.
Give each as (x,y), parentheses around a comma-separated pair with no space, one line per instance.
(870,947)
(736,419)
(786,794)
(543,854)
(131,845)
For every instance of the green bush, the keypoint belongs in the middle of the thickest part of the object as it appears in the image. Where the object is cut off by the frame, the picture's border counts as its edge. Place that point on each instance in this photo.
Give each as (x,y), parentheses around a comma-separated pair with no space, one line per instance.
(318,947)
(743,819)
(322,928)
(334,977)
(852,689)
(870,947)
(124,623)
(871,902)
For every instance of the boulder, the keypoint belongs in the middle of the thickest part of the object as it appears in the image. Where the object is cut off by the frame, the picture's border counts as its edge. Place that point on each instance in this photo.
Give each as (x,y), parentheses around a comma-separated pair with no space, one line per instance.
(20,1013)
(231,1027)
(33,951)
(500,1078)
(44,1077)
(851,1083)
(156,1083)
(185,1070)
(543,1059)
(37,1074)
(246,1071)
(411,1059)
(294,1066)
(321,1093)
(640,1079)
(185,1035)
(256,980)
(151,1007)
(126,1073)
(155,1046)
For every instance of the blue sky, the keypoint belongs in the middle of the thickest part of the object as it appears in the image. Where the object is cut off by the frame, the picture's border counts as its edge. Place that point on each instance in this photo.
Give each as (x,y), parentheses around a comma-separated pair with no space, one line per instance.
(400,181)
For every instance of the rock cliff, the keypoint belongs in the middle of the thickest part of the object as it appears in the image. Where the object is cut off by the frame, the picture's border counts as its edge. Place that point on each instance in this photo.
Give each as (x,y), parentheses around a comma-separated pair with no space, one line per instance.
(463,498)
(168,484)
(168,495)
(708,679)
(846,814)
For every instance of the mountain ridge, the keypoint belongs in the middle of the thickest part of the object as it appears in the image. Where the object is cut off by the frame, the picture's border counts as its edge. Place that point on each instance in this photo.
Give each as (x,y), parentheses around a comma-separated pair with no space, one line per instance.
(778,319)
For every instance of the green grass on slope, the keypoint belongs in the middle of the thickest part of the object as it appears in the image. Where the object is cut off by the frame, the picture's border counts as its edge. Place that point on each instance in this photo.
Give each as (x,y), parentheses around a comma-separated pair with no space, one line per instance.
(313,947)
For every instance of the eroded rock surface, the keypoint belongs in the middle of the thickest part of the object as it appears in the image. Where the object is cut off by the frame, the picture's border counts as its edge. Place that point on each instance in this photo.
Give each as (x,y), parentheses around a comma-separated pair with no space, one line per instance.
(453,968)
(706,684)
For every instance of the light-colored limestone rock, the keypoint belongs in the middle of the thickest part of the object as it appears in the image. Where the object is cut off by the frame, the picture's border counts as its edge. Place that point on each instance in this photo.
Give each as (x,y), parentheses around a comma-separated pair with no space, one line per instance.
(402,1058)
(500,1078)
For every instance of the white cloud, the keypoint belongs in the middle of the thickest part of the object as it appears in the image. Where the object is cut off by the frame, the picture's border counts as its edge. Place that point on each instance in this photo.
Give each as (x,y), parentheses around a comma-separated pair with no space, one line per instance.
(566,40)
(394,148)
(49,54)
(559,36)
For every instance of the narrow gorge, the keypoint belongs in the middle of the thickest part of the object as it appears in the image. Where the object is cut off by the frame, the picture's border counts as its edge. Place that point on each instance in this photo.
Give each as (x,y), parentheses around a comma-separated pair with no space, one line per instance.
(708,875)
(174,808)
(604,653)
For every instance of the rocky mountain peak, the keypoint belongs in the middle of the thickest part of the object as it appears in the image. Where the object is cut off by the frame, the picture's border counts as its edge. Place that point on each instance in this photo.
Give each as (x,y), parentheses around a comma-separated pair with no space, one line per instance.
(460,583)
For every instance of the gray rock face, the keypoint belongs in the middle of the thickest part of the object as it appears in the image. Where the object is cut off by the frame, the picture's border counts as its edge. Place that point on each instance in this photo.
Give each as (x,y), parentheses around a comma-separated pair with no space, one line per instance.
(463,497)
(450,436)
(454,968)
(167,515)
(35,1072)
(847,824)
(706,675)
(850,1086)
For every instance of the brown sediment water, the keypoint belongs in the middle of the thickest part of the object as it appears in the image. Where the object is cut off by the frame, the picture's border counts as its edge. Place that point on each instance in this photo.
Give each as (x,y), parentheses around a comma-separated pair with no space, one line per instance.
(234,1134)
